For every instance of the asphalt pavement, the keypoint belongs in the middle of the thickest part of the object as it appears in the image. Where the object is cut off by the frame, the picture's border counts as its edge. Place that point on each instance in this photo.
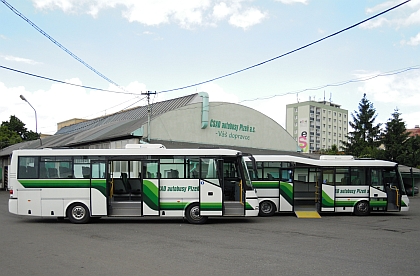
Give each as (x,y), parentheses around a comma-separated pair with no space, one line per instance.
(336,244)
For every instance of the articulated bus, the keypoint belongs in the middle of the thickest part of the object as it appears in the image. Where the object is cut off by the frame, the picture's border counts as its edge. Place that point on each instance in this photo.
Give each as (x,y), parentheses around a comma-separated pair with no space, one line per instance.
(84,184)
(331,184)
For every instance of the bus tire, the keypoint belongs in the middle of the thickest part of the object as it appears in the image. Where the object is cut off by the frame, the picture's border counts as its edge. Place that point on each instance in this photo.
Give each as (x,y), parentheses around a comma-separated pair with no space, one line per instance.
(78,213)
(192,213)
(362,208)
(267,208)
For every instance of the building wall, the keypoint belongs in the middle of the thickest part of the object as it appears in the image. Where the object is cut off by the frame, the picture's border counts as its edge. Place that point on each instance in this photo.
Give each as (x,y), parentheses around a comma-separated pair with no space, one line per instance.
(227,124)
(317,125)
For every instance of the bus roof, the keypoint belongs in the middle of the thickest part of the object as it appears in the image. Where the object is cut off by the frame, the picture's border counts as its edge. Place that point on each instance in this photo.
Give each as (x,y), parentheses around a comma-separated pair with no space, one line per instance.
(333,162)
(125,151)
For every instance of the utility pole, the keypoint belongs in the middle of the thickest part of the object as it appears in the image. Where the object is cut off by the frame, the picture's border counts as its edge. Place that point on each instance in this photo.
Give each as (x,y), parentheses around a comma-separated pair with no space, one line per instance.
(149,111)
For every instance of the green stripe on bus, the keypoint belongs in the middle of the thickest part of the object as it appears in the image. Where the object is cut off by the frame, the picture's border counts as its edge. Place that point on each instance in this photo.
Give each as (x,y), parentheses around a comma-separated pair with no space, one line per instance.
(378,203)
(248,206)
(266,184)
(327,201)
(99,184)
(210,206)
(286,191)
(347,203)
(173,205)
(151,194)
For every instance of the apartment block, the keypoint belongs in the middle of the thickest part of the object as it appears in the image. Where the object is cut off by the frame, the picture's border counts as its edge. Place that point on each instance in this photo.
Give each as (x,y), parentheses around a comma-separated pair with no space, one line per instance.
(317,125)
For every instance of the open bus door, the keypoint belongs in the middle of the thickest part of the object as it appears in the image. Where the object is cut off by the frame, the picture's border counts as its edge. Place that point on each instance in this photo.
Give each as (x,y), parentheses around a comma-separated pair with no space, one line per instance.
(150,181)
(211,187)
(96,175)
(393,185)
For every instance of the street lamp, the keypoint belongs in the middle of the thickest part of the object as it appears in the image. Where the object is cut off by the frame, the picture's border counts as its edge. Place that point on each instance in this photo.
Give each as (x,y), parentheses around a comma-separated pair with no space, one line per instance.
(36,119)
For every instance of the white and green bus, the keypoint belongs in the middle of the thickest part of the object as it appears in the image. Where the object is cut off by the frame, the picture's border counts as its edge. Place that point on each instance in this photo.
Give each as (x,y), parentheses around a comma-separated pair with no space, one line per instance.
(80,184)
(287,183)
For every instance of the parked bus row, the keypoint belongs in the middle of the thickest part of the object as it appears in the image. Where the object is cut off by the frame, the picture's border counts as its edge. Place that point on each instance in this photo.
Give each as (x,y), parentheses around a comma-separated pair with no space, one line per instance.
(287,183)
(84,184)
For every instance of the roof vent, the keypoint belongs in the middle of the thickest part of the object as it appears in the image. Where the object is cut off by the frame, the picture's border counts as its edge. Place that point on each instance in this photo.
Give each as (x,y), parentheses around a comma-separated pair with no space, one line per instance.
(145,146)
(336,157)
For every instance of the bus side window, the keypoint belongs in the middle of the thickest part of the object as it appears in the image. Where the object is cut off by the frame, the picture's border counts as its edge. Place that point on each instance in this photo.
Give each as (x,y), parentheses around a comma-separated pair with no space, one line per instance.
(53,173)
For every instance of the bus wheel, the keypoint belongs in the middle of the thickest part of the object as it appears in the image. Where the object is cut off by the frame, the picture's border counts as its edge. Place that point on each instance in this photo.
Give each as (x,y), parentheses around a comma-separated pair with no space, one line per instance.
(193,214)
(361,208)
(78,213)
(267,208)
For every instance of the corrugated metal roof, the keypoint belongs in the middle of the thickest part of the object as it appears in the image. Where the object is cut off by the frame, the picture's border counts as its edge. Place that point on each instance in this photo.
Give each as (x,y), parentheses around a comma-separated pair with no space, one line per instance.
(118,125)
(129,115)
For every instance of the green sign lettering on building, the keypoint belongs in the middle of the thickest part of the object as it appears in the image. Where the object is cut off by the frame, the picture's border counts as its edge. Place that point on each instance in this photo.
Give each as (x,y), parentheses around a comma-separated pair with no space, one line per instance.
(226,129)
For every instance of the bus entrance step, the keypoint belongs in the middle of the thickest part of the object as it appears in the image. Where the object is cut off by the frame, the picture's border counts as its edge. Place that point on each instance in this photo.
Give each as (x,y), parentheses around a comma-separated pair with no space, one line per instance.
(307,214)
(233,208)
(132,209)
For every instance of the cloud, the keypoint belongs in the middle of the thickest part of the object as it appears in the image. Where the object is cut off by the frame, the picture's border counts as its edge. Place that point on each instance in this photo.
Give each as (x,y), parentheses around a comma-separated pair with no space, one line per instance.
(63,102)
(406,15)
(186,13)
(293,1)
(400,91)
(413,41)
(247,18)
(19,59)
(217,93)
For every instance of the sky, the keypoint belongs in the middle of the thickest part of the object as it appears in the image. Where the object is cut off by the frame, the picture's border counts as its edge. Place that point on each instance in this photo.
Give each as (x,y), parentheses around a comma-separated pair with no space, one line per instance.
(135,46)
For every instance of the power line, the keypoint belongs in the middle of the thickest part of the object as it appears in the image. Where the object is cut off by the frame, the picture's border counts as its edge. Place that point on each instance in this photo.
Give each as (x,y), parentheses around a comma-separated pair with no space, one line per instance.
(59,44)
(59,81)
(390,73)
(288,53)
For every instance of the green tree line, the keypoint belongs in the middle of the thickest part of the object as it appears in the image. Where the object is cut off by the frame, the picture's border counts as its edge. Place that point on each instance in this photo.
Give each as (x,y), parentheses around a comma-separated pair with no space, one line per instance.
(14,131)
(369,139)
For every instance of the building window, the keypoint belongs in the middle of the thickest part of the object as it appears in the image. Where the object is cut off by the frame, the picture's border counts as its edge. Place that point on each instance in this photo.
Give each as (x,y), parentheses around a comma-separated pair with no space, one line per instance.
(339,114)
(296,110)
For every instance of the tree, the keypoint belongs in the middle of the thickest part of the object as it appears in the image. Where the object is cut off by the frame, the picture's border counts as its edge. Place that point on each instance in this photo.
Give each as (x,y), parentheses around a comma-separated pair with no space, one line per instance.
(394,138)
(14,131)
(8,137)
(364,140)
(411,156)
(331,151)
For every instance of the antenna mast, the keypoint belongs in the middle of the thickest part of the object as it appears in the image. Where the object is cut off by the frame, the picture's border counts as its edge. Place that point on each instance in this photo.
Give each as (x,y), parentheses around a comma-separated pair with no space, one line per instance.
(149,112)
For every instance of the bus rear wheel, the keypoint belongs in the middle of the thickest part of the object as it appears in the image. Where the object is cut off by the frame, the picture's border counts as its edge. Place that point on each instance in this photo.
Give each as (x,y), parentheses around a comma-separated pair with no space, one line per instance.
(193,214)
(78,213)
(362,208)
(267,208)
